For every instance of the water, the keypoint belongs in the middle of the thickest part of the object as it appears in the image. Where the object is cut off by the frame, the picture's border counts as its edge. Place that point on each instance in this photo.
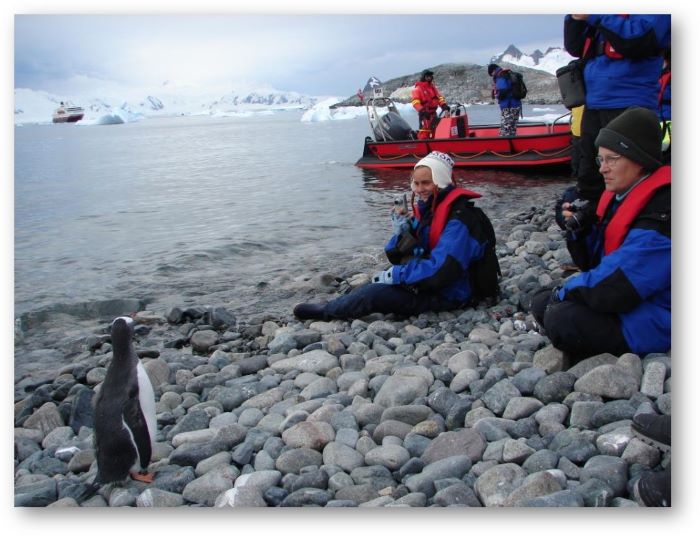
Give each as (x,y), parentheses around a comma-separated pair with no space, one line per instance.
(206,211)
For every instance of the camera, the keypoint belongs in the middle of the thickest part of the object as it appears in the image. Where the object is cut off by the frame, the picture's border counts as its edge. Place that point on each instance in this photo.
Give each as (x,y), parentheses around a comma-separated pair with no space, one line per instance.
(582,216)
(578,205)
(401,203)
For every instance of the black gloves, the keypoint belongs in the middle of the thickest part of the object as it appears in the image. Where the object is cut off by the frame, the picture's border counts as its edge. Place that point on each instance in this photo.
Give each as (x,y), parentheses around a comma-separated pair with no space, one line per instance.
(584,216)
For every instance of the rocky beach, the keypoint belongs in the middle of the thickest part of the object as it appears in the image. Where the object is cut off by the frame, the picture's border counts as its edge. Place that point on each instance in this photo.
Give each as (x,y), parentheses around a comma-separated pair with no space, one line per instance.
(471,407)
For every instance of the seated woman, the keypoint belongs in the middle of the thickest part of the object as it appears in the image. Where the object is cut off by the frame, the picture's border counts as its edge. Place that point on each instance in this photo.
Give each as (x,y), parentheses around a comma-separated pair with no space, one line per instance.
(434,253)
(622,301)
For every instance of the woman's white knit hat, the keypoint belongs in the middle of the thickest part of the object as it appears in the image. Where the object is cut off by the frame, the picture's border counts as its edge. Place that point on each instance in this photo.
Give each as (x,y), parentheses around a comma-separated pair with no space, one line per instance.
(441,166)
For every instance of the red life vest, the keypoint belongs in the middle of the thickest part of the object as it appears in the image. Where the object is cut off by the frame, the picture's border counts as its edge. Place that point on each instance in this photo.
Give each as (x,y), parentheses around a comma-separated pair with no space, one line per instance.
(636,200)
(608,49)
(442,212)
(426,97)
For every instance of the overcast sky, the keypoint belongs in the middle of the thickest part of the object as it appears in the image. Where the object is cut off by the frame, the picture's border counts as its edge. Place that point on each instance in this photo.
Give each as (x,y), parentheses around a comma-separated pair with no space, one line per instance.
(312,54)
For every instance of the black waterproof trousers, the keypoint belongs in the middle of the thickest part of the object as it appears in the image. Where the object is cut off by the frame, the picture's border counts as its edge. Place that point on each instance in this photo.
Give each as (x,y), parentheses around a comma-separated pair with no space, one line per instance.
(576,329)
(381,298)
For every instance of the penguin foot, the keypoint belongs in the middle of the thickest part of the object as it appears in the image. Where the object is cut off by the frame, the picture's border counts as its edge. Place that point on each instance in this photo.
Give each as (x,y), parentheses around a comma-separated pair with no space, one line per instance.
(143,476)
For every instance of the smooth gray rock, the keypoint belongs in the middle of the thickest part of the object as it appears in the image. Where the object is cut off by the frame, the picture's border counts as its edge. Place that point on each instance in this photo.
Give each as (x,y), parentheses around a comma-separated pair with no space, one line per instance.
(653,380)
(495,485)
(309,434)
(343,456)
(467,442)
(554,387)
(586,365)
(390,456)
(424,482)
(498,396)
(291,461)
(541,460)
(158,498)
(411,414)
(358,493)
(205,489)
(526,379)
(535,485)
(317,361)
(401,390)
(609,381)
(608,469)
(582,413)
(456,495)
(560,499)
(520,407)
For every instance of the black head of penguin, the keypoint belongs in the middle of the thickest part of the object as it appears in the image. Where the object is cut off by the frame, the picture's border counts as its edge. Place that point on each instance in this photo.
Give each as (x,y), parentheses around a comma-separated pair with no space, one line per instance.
(122,334)
(121,374)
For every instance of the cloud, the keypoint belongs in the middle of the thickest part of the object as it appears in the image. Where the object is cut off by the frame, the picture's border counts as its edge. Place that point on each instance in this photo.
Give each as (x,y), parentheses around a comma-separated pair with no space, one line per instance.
(317,54)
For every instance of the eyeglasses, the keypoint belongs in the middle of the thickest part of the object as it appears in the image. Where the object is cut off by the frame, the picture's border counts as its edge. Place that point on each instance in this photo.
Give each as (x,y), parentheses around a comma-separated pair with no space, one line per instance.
(610,161)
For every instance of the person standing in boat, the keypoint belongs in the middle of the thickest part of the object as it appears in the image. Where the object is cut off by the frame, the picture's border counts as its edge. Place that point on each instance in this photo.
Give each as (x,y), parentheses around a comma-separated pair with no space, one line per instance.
(435,254)
(511,108)
(622,302)
(623,62)
(426,98)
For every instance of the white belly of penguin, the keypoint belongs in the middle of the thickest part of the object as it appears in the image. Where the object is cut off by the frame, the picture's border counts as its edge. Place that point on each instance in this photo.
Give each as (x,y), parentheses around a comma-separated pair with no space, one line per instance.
(147,401)
(137,464)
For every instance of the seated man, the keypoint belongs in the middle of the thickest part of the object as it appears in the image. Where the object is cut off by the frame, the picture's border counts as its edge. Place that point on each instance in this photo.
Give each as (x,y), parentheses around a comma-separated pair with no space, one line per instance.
(437,255)
(622,303)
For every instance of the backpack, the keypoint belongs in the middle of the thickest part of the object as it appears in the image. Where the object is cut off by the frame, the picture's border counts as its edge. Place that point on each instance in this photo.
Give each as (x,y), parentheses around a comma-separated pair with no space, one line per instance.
(518,89)
(483,273)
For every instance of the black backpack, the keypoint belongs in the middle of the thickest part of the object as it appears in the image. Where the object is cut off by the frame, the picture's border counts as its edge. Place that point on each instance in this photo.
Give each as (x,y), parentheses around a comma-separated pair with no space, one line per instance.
(483,273)
(518,89)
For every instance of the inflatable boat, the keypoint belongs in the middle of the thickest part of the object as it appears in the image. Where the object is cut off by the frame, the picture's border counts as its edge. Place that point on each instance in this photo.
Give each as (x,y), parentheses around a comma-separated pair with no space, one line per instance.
(394,144)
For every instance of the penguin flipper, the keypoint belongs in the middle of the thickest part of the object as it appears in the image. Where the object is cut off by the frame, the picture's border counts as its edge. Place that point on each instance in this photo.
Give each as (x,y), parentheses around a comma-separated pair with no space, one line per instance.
(134,419)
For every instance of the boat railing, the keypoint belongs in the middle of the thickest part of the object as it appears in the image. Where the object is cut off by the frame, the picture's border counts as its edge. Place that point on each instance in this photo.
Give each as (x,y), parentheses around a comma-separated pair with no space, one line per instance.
(373,116)
(551,126)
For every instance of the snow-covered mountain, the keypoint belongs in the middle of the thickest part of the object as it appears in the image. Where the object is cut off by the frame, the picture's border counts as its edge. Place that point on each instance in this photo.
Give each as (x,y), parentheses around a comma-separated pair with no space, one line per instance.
(35,106)
(550,61)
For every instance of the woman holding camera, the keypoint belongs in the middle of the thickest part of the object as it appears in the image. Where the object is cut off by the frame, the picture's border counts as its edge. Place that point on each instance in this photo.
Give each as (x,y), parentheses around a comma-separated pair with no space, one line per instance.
(432,253)
(623,302)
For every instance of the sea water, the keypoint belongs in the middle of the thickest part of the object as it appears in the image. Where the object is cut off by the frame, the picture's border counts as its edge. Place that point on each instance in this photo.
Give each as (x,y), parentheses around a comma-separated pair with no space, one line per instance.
(210,210)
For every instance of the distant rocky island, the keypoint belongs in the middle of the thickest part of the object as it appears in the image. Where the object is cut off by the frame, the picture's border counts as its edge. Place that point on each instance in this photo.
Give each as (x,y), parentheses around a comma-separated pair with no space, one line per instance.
(469,83)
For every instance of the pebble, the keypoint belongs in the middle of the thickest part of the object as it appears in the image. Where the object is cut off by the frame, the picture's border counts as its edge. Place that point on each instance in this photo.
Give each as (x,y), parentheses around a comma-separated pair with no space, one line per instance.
(472,407)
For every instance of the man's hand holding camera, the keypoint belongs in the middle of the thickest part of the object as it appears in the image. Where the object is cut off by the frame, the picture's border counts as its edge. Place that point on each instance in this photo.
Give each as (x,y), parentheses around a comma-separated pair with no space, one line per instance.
(579,215)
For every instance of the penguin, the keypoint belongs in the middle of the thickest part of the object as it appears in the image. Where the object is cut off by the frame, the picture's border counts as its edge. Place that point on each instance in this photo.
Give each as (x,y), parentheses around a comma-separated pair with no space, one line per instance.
(125,412)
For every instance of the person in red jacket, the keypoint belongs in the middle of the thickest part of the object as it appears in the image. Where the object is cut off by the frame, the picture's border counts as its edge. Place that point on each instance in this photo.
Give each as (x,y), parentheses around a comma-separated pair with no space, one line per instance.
(426,98)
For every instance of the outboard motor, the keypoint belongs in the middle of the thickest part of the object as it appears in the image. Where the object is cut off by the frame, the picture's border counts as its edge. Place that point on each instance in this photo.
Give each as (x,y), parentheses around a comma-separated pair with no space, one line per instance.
(392,127)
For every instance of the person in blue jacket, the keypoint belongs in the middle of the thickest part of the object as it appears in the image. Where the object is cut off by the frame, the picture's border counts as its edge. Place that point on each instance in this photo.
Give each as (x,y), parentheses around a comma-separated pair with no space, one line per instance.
(430,252)
(623,61)
(511,108)
(623,302)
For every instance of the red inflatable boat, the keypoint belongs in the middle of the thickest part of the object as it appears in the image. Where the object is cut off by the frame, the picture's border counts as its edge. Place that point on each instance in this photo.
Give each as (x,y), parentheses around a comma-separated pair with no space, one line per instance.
(394,144)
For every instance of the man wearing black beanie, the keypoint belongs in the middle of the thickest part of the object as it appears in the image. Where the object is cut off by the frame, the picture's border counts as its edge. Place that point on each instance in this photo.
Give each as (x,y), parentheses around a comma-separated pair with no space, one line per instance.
(623,302)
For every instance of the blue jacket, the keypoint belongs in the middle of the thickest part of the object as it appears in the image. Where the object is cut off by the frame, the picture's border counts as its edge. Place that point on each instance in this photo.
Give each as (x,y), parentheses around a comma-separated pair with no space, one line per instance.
(501,91)
(634,280)
(665,108)
(631,80)
(445,268)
